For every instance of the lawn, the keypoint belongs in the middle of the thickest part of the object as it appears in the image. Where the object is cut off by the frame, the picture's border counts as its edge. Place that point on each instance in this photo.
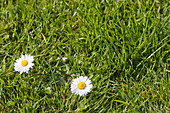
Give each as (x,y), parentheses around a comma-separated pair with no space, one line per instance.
(122,46)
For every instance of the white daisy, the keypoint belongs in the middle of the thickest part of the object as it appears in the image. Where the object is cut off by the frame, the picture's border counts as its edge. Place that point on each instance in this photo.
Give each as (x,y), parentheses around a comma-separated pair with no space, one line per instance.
(24,63)
(81,86)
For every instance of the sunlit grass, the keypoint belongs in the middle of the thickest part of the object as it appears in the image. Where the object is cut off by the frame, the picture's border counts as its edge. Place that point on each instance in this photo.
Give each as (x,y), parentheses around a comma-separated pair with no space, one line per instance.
(121,46)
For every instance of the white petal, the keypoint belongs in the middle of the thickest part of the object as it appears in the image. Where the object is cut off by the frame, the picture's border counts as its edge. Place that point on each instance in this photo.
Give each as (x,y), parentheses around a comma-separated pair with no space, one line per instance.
(88,82)
(85,79)
(31,58)
(80,79)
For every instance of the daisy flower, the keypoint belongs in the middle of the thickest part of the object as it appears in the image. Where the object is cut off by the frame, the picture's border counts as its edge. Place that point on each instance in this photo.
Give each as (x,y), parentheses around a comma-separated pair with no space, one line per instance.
(24,63)
(81,86)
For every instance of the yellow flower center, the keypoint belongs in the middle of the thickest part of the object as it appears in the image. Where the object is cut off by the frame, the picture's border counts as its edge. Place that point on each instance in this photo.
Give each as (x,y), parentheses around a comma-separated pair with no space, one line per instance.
(81,85)
(24,63)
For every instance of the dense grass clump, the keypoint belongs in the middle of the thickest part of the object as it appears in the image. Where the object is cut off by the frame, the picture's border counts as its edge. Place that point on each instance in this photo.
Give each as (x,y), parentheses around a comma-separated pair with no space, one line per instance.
(121,45)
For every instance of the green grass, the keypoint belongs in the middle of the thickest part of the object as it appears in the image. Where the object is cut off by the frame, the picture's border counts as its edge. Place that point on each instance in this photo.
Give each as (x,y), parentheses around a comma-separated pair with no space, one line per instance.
(123,46)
